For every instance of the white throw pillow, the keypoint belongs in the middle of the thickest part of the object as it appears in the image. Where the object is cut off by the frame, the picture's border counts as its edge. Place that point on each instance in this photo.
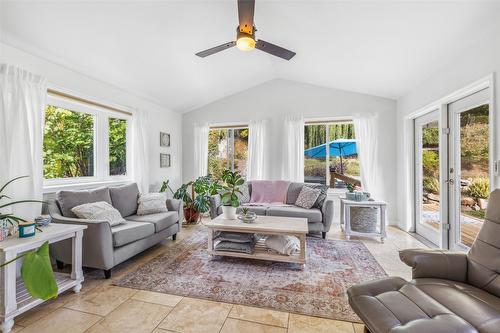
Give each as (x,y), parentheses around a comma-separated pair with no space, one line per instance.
(152,203)
(100,210)
(307,197)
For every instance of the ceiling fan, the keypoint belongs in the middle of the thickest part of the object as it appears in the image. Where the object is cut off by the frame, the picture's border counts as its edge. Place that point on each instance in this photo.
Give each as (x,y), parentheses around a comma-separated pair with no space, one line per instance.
(245,36)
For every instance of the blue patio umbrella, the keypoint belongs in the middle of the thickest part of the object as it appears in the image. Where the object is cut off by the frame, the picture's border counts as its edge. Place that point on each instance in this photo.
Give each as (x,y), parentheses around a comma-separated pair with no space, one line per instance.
(339,147)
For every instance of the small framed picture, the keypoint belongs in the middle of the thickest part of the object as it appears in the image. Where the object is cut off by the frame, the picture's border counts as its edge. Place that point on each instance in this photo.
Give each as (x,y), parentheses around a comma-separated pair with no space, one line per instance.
(164,139)
(164,160)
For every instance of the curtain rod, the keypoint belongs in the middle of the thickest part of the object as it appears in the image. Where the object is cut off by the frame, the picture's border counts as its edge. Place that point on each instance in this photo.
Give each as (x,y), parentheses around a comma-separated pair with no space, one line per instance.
(228,126)
(86,101)
(325,122)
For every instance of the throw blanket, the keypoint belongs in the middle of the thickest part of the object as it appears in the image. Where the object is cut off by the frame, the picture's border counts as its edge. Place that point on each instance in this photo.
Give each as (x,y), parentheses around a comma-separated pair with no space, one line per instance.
(269,192)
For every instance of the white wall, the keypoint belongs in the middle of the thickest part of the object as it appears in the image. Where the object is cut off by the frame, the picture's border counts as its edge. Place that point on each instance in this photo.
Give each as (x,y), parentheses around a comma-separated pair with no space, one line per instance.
(273,99)
(160,118)
(479,58)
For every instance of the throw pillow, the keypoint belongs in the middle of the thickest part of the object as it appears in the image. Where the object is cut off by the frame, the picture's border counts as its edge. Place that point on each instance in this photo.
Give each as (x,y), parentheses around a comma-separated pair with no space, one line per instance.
(307,197)
(244,197)
(152,203)
(322,195)
(100,210)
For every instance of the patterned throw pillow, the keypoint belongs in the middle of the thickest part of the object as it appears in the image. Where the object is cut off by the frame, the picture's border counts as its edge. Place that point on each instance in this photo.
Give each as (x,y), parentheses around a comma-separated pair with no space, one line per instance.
(245,196)
(100,210)
(152,203)
(307,197)
(322,196)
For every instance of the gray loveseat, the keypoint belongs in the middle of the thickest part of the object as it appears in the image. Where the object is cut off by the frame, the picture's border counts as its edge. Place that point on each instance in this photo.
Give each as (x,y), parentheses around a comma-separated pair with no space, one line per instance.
(319,218)
(104,246)
(450,291)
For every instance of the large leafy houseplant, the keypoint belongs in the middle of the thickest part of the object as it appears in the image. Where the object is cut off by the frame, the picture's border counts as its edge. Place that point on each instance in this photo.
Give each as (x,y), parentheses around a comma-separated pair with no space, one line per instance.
(232,181)
(196,196)
(36,269)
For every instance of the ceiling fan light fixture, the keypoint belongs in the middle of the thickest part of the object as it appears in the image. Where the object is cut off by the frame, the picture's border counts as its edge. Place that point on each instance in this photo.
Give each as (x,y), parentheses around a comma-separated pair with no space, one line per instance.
(245,43)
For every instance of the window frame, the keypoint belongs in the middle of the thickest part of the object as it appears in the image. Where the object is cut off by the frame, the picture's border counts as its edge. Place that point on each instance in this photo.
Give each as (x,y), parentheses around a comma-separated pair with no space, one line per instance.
(327,122)
(230,139)
(101,147)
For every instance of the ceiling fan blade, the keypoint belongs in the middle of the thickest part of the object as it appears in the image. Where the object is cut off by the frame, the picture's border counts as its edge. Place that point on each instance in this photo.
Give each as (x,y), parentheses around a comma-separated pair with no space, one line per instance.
(245,14)
(274,49)
(216,49)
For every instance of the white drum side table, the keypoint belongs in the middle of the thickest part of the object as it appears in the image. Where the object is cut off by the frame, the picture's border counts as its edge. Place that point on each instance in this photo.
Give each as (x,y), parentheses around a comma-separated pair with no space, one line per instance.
(14,298)
(345,217)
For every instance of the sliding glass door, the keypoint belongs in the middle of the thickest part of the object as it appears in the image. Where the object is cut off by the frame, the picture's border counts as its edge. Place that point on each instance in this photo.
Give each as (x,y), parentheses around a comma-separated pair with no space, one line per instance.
(427,178)
(470,177)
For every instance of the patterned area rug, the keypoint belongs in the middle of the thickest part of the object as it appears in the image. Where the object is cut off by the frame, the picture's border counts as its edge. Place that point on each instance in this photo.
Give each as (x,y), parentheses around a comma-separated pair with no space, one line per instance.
(319,290)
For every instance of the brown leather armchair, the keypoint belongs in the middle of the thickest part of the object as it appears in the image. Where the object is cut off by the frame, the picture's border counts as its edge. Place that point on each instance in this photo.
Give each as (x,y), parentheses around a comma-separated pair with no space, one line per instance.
(450,291)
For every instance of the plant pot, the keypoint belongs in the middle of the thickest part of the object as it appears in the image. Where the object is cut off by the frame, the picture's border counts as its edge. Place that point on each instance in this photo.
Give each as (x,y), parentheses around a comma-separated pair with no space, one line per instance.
(191,215)
(483,203)
(229,212)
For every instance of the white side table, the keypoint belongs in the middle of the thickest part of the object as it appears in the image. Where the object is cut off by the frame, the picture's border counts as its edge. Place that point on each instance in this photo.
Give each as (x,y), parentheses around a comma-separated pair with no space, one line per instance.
(345,217)
(14,298)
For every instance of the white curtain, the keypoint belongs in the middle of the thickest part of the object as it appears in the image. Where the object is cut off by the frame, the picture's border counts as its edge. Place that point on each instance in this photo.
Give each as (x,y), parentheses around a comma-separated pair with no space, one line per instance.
(292,166)
(256,169)
(22,106)
(141,150)
(200,150)
(366,131)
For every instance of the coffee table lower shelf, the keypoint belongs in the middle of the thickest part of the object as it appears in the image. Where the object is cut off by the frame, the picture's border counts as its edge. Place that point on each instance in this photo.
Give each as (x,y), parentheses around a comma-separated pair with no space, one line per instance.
(263,253)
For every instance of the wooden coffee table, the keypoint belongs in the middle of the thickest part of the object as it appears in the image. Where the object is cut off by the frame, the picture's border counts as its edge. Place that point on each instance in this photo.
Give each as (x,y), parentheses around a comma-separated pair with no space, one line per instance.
(264,225)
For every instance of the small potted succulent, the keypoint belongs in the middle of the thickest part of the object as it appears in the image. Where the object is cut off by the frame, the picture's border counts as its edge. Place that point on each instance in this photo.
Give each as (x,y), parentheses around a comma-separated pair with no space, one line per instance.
(232,181)
(350,195)
(246,215)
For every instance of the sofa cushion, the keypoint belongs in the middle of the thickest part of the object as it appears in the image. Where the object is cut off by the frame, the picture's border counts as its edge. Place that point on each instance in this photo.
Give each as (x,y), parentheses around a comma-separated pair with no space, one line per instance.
(69,199)
(130,231)
(160,220)
(259,210)
(293,193)
(152,203)
(124,198)
(312,215)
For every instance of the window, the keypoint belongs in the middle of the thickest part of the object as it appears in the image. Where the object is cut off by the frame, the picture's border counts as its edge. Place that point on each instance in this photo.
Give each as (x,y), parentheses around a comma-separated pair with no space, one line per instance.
(68,143)
(83,143)
(117,146)
(334,166)
(227,148)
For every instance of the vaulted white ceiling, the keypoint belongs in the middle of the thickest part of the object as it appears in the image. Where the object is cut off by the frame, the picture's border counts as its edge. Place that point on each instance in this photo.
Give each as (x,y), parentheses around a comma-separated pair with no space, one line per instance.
(383,48)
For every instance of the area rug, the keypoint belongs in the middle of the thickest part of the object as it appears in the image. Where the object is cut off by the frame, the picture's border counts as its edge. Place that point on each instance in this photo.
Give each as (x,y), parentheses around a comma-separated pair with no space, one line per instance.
(318,290)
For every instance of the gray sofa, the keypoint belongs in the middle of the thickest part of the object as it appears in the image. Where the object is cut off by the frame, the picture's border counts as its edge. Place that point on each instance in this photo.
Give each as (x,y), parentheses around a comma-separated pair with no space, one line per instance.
(104,246)
(319,218)
(450,291)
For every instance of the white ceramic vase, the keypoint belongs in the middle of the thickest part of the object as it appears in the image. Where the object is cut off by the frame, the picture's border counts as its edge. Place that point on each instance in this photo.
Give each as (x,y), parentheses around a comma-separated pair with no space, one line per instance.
(229,212)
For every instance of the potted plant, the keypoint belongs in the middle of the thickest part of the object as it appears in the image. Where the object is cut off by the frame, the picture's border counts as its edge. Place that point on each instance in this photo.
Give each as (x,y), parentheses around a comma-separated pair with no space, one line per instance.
(196,197)
(350,195)
(230,201)
(36,270)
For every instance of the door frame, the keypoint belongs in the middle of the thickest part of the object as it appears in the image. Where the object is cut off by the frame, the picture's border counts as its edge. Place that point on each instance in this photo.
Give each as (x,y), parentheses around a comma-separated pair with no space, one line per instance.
(408,186)
(454,189)
(425,231)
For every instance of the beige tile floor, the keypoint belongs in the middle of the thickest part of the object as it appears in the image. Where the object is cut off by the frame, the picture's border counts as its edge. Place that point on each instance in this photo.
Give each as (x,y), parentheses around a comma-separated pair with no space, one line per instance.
(102,307)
